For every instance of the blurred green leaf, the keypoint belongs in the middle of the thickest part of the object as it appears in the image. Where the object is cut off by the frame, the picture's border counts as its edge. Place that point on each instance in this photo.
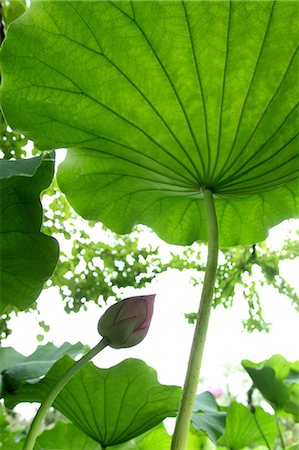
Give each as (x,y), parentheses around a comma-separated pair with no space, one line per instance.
(242,430)
(12,9)
(207,417)
(278,381)
(7,437)
(157,438)
(16,368)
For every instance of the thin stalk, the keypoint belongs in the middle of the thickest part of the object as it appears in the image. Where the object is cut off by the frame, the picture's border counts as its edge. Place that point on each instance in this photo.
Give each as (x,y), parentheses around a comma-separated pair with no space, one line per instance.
(180,435)
(252,409)
(261,430)
(279,430)
(47,402)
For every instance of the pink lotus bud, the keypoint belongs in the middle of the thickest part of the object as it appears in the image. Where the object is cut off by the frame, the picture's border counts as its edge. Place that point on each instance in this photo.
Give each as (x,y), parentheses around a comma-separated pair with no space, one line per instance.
(126,323)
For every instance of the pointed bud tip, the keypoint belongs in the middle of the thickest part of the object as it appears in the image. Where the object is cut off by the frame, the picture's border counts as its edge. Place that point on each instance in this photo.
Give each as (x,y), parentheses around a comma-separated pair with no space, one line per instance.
(149,297)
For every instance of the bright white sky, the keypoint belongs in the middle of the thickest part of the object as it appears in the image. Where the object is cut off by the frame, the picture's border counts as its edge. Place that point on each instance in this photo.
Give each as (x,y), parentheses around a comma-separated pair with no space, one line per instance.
(166,347)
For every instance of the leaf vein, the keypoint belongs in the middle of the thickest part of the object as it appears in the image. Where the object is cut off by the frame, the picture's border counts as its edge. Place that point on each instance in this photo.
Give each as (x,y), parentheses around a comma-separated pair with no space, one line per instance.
(248,92)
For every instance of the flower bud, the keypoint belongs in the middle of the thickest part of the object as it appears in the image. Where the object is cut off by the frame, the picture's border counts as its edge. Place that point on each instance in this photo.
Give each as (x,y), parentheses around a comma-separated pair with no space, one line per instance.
(126,323)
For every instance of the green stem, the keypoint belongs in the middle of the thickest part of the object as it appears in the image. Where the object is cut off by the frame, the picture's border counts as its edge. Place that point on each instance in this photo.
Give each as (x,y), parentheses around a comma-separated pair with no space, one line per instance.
(47,402)
(182,426)
(252,409)
(261,430)
(279,430)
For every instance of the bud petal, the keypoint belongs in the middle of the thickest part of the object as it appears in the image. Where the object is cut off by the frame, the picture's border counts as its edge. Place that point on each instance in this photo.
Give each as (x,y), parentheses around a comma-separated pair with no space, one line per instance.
(126,323)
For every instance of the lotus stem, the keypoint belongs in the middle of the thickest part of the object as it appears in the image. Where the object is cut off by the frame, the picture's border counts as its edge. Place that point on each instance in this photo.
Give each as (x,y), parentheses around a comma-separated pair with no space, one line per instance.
(56,389)
(179,439)
(279,430)
(261,430)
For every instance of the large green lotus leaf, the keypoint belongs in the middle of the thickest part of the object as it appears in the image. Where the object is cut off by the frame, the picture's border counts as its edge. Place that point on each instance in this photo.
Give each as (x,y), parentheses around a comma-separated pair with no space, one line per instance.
(28,257)
(242,431)
(110,405)
(278,381)
(155,101)
(16,368)
(65,436)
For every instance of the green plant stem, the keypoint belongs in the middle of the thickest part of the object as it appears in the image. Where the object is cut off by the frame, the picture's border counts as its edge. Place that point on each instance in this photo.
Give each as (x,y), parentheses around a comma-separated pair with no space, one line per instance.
(279,430)
(182,426)
(47,402)
(252,409)
(261,430)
